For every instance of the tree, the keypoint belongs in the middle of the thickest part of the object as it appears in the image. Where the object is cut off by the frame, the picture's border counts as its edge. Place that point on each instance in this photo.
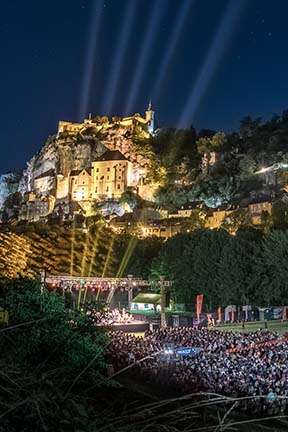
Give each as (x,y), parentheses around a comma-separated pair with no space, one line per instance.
(272,271)
(280,215)
(237,267)
(236,219)
(46,362)
(217,191)
(209,144)
(131,198)
(248,126)
(191,262)
(247,167)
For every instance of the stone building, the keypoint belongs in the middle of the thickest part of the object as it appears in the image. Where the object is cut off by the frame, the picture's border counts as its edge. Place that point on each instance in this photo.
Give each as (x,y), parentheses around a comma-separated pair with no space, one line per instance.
(80,184)
(103,123)
(160,229)
(37,208)
(256,209)
(215,218)
(112,174)
(109,176)
(44,183)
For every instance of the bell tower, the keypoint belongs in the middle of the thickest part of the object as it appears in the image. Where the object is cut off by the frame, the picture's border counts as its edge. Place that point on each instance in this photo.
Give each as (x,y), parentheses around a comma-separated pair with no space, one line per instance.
(150,114)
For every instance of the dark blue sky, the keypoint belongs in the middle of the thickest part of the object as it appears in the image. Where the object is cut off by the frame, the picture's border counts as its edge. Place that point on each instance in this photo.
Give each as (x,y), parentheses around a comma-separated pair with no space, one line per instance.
(45,49)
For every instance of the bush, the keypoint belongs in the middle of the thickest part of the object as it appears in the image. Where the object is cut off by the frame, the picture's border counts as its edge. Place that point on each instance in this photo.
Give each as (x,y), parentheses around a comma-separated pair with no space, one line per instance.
(50,364)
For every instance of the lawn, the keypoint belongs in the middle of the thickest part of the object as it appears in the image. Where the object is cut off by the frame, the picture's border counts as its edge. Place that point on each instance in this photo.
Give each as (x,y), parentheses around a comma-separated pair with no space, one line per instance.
(280,326)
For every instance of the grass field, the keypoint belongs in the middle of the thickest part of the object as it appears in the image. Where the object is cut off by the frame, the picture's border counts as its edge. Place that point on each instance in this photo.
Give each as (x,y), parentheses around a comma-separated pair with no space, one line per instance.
(279,326)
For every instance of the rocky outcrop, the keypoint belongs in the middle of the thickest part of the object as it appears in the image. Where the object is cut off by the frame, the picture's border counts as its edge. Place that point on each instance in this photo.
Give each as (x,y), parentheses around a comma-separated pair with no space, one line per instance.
(8,186)
(65,153)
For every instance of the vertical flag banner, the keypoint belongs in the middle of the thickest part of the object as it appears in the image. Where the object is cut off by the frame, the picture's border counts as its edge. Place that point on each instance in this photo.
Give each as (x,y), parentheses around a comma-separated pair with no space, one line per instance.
(219,313)
(199,304)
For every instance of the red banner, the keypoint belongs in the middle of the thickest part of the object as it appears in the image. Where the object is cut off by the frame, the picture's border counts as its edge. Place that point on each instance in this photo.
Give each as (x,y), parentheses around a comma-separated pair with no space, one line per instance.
(199,304)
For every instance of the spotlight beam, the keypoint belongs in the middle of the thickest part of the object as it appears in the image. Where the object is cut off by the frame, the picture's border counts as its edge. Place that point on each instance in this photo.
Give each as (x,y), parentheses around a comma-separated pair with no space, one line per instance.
(95,249)
(174,39)
(127,255)
(118,62)
(149,39)
(109,253)
(72,248)
(90,56)
(220,42)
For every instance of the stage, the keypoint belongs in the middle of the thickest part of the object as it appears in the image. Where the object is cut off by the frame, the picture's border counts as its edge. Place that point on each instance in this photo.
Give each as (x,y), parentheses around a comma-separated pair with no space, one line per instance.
(132,327)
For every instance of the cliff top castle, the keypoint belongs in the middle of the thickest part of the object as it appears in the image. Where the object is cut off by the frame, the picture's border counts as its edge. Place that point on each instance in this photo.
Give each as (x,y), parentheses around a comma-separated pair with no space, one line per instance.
(102,123)
(95,160)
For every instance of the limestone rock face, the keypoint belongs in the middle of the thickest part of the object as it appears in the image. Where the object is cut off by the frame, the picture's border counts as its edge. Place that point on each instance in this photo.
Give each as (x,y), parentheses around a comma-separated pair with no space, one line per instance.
(45,160)
(121,138)
(111,208)
(8,185)
(47,172)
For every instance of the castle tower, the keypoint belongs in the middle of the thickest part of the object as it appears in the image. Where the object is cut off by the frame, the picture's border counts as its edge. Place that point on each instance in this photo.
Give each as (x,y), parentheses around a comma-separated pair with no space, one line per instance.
(150,114)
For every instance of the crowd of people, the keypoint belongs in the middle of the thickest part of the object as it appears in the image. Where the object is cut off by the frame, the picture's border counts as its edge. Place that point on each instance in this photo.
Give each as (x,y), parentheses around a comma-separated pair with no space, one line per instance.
(108,317)
(252,366)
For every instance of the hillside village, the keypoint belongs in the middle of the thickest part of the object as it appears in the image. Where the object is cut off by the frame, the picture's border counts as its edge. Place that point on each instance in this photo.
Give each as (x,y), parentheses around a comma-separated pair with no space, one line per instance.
(152,182)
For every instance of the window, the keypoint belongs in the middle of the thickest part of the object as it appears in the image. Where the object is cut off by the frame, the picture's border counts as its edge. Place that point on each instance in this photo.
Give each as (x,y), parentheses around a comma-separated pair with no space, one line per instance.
(107,177)
(96,190)
(97,169)
(108,169)
(96,177)
(146,306)
(119,177)
(107,189)
(118,186)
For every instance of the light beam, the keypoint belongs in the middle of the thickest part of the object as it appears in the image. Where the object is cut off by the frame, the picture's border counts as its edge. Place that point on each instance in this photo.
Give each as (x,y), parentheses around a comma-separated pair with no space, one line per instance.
(118,59)
(169,52)
(220,42)
(90,56)
(149,39)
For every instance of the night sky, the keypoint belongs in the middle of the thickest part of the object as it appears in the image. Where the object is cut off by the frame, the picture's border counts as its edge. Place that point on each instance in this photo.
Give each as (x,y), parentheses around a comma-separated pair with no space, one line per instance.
(218,60)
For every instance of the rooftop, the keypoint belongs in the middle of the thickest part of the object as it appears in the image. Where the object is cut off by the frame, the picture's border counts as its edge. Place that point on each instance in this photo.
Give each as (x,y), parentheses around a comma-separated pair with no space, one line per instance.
(75,173)
(49,173)
(111,155)
(148,298)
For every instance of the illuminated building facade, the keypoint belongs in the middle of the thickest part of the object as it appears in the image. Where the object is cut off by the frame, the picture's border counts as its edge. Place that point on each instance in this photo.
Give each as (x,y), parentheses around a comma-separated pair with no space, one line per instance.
(104,123)
(112,174)
(109,176)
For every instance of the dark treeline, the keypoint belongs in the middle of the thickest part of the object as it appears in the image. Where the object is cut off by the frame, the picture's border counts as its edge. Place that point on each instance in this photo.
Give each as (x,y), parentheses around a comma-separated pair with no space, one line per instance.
(176,161)
(247,268)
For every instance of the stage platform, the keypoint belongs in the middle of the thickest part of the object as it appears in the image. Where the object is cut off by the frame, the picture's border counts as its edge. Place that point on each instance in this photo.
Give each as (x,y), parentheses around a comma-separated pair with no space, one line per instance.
(133,327)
